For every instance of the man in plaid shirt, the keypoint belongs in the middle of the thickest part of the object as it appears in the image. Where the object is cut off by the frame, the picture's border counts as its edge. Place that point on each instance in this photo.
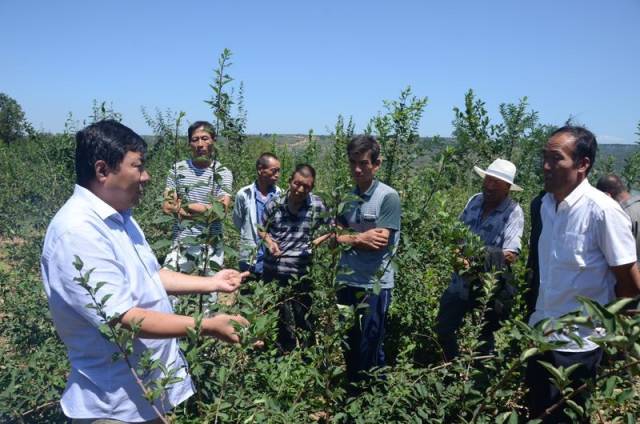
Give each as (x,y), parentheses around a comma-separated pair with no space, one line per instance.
(290,223)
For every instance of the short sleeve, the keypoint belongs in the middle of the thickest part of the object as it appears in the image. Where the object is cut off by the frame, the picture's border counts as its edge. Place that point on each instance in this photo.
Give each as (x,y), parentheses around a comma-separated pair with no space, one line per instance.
(171,180)
(615,237)
(513,229)
(226,181)
(389,216)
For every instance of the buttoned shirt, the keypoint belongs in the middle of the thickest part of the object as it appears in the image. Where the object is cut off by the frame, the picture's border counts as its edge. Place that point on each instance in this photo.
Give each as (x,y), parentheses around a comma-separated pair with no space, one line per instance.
(113,246)
(293,233)
(582,237)
(500,230)
(261,202)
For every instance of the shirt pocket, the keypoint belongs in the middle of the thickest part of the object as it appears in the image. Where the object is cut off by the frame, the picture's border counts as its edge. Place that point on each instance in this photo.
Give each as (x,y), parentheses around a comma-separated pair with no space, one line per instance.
(570,250)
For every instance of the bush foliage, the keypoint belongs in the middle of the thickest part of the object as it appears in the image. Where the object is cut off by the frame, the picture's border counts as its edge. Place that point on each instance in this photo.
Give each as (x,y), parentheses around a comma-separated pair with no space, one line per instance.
(242,384)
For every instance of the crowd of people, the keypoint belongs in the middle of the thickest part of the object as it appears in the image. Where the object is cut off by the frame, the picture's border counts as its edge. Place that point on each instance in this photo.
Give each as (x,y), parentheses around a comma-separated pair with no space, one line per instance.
(582,243)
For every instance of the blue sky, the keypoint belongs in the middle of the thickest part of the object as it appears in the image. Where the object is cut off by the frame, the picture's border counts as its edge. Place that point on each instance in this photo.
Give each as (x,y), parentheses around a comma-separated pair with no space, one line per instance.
(304,62)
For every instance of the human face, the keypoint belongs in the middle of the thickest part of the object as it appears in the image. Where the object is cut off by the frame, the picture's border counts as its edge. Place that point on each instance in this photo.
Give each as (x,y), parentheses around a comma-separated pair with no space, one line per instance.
(299,187)
(561,174)
(125,185)
(201,144)
(494,190)
(362,169)
(269,174)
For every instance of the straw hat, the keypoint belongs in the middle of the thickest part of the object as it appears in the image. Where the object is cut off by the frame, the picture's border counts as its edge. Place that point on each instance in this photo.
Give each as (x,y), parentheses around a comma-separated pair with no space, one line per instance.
(502,170)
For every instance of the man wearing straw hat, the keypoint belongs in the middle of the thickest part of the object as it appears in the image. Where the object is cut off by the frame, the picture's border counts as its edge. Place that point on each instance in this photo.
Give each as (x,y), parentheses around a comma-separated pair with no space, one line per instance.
(498,220)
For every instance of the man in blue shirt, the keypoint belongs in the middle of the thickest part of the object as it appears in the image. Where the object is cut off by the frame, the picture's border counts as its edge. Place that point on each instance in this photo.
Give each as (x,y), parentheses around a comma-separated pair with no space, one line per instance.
(498,220)
(248,211)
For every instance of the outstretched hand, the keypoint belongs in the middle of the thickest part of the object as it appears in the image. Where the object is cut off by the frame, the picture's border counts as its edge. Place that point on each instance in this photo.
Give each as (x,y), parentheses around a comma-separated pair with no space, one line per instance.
(228,280)
(221,327)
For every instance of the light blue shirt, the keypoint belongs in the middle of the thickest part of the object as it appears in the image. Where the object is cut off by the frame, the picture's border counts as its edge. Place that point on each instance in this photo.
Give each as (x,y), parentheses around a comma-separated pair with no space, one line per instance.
(113,245)
(500,230)
(261,202)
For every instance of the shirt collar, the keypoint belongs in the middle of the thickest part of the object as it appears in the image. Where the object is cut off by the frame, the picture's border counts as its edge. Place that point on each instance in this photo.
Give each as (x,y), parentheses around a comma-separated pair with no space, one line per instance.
(285,203)
(631,200)
(503,205)
(99,206)
(571,199)
(577,193)
(369,191)
(256,189)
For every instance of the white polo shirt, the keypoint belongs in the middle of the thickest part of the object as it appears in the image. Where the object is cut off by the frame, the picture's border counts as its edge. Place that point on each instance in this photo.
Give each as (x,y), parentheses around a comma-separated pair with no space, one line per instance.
(586,235)
(113,245)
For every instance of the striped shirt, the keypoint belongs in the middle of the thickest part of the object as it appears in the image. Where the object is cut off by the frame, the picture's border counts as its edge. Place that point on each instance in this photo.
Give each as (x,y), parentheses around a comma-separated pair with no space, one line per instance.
(293,233)
(198,185)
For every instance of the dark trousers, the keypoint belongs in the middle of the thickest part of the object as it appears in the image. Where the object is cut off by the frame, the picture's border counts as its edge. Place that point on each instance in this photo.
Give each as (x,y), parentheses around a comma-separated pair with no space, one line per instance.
(365,337)
(543,394)
(453,307)
(295,323)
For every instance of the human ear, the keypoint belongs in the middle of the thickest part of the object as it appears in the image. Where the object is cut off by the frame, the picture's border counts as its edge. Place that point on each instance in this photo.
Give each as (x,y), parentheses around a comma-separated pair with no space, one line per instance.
(101,169)
(585,164)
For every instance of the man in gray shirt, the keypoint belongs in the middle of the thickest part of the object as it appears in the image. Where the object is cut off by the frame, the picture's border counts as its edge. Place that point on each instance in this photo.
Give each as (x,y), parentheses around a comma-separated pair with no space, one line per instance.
(367,274)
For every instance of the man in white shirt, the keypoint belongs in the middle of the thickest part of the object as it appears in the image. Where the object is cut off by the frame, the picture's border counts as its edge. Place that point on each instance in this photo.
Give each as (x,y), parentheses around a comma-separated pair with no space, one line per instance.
(96,225)
(585,249)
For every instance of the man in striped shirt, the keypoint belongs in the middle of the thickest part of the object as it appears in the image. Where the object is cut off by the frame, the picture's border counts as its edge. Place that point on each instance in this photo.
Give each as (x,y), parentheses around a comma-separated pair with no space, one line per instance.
(193,187)
(290,224)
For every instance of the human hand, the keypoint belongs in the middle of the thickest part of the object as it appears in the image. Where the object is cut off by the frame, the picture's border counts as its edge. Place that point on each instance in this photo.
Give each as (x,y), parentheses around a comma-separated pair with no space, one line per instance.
(221,327)
(374,239)
(228,280)
(509,256)
(274,248)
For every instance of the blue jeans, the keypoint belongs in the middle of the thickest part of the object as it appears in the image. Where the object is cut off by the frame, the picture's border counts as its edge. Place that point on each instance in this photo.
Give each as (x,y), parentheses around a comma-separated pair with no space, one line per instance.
(365,337)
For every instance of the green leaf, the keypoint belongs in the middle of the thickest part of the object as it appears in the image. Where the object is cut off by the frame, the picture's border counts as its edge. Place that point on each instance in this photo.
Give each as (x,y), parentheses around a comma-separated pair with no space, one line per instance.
(161,244)
(619,305)
(77,263)
(528,353)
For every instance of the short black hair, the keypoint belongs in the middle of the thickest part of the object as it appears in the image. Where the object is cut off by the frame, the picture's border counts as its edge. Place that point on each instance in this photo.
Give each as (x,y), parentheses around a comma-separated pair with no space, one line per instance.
(305,170)
(106,140)
(585,144)
(363,143)
(206,126)
(263,160)
(611,184)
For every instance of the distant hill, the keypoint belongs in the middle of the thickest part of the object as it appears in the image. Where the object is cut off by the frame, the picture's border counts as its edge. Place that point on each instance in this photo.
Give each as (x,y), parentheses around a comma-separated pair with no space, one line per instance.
(619,152)
(296,142)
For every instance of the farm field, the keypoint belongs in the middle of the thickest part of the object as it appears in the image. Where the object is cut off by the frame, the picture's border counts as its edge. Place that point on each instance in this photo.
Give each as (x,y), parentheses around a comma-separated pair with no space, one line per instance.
(243,384)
